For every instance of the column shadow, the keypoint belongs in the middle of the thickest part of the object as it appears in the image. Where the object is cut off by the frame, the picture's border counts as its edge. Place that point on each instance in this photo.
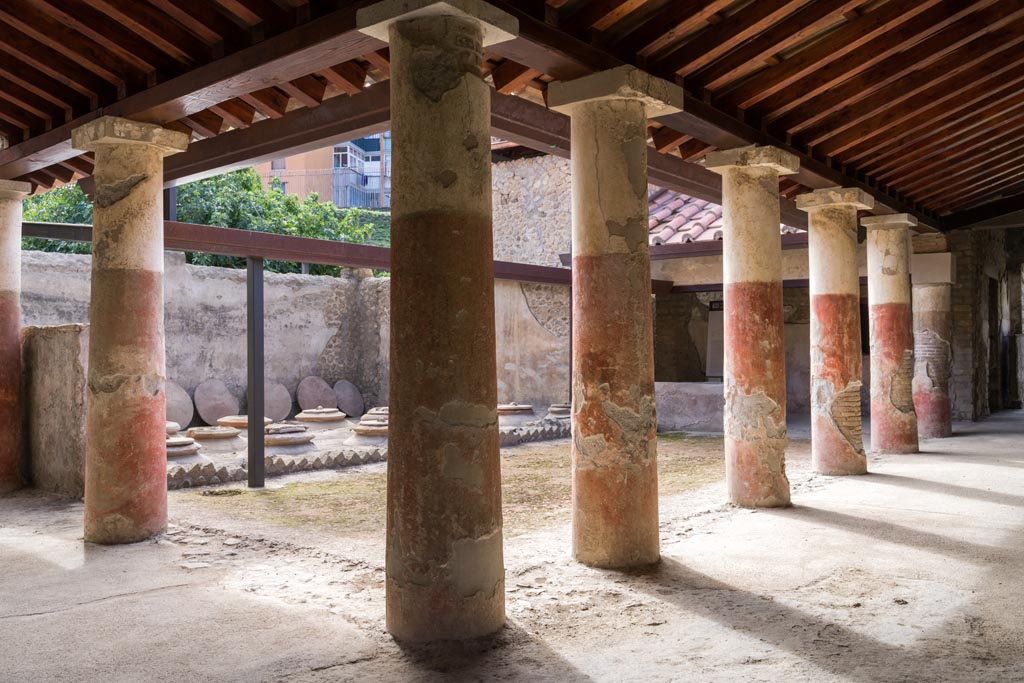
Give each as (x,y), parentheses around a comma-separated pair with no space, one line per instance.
(834,648)
(947,489)
(511,654)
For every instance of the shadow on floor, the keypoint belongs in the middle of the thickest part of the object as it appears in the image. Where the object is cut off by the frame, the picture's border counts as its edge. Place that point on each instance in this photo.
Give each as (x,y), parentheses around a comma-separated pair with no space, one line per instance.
(947,489)
(511,654)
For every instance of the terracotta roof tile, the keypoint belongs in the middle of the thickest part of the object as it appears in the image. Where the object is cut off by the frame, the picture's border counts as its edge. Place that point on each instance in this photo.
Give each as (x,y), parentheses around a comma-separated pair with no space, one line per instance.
(676,218)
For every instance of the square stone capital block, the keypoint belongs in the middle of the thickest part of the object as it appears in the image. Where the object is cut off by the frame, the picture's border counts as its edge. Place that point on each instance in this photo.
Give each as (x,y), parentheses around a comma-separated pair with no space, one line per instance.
(497,26)
(889,221)
(753,156)
(112,130)
(835,196)
(660,97)
(14,189)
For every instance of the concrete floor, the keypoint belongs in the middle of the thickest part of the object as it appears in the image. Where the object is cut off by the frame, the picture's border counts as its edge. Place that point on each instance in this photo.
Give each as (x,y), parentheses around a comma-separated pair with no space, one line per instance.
(912,573)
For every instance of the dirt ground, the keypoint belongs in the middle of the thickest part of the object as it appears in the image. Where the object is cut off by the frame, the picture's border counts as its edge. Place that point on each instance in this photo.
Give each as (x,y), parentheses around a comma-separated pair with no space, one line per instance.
(911,573)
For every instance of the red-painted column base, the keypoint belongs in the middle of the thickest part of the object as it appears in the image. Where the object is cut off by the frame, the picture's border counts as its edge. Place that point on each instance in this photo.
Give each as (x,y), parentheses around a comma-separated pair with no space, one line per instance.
(755,395)
(126,460)
(615,474)
(836,442)
(893,420)
(10,392)
(934,414)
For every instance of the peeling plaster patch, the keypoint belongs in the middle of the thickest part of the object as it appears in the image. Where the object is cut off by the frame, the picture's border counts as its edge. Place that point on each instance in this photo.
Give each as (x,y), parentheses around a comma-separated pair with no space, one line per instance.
(901,388)
(633,232)
(752,417)
(635,153)
(109,194)
(933,357)
(470,142)
(457,413)
(477,565)
(592,451)
(842,410)
(435,71)
(459,466)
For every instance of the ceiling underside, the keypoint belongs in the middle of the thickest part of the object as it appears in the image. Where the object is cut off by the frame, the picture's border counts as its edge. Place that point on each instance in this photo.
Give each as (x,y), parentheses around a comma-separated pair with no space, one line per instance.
(920,102)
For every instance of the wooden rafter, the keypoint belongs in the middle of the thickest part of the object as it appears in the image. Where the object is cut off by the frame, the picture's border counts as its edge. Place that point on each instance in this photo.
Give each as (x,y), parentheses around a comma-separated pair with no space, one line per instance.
(350,76)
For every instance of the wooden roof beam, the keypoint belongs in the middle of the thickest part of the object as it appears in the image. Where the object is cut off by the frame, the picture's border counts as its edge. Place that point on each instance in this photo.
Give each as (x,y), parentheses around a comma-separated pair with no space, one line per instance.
(597,14)
(235,113)
(350,76)
(674,20)
(270,102)
(290,54)
(307,89)
(380,60)
(714,41)
(900,69)
(987,212)
(958,155)
(765,45)
(153,25)
(206,123)
(989,187)
(836,45)
(510,77)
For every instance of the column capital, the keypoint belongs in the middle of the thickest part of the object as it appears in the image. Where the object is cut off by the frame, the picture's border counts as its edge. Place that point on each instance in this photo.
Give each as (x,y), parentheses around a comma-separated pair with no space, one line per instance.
(753,156)
(497,25)
(834,196)
(660,97)
(14,189)
(889,221)
(112,130)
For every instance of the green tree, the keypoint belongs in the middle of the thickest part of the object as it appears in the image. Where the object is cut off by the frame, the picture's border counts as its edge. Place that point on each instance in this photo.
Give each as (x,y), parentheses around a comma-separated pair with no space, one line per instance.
(233,200)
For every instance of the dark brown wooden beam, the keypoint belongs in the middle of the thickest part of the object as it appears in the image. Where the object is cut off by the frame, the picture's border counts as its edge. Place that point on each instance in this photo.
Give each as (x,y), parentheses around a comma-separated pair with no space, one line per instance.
(235,113)
(291,54)
(206,123)
(156,27)
(381,60)
(986,212)
(666,139)
(671,22)
(307,89)
(350,76)
(510,77)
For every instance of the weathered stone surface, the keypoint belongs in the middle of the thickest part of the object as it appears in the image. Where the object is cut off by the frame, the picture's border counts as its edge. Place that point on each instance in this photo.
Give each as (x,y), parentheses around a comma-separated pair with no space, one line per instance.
(313,392)
(933,356)
(213,401)
(212,433)
(288,439)
(11,195)
(179,404)
(350,399)
(56,362)
(238,421)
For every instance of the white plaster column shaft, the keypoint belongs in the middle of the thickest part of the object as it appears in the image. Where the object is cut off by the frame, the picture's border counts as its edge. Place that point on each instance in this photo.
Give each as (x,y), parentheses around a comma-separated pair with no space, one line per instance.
(11,195)
(126,460)
(614,464)
(755,373)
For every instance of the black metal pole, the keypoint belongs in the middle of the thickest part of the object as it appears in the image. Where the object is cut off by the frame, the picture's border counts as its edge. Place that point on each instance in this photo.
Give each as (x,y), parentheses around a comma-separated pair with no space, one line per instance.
(171,204)
(254,343)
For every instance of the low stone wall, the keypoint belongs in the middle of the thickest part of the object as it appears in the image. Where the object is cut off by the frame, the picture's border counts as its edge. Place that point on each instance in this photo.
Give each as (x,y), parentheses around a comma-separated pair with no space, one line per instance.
(689,406)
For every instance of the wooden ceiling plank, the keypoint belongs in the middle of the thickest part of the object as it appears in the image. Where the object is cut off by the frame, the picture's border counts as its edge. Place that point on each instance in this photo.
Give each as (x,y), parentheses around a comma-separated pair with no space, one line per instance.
(597,14)
(510,77)
(694,149)
(996,109)
(989,187)
(673,21)
(294,53)
(64,175)
(308,89)
(42,85)
(749,56)
(924,53)
(835,46)
(82,164)
(235,113)
(206,21)
(380,60)
(990,158)
(987,212)
(206,123)
(875,132)
(350,76)
(999,165)
(57,66)
(79,48)
(21,118)
(872,53)
(113,36)
(270,102)
(31,102)
(714,41)
(155,26)
(666,139)
(964,152)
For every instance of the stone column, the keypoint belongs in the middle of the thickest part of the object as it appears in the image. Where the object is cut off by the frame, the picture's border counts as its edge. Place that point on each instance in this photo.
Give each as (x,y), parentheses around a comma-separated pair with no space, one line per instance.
(445,571)
(125,458)
(893,422)
(933,358)
(614,429)
(755,372)
(836,366)
(11,195)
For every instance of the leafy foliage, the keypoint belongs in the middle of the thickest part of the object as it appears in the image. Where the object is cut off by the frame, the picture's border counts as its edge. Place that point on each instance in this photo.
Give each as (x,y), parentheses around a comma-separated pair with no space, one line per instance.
(233,200)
